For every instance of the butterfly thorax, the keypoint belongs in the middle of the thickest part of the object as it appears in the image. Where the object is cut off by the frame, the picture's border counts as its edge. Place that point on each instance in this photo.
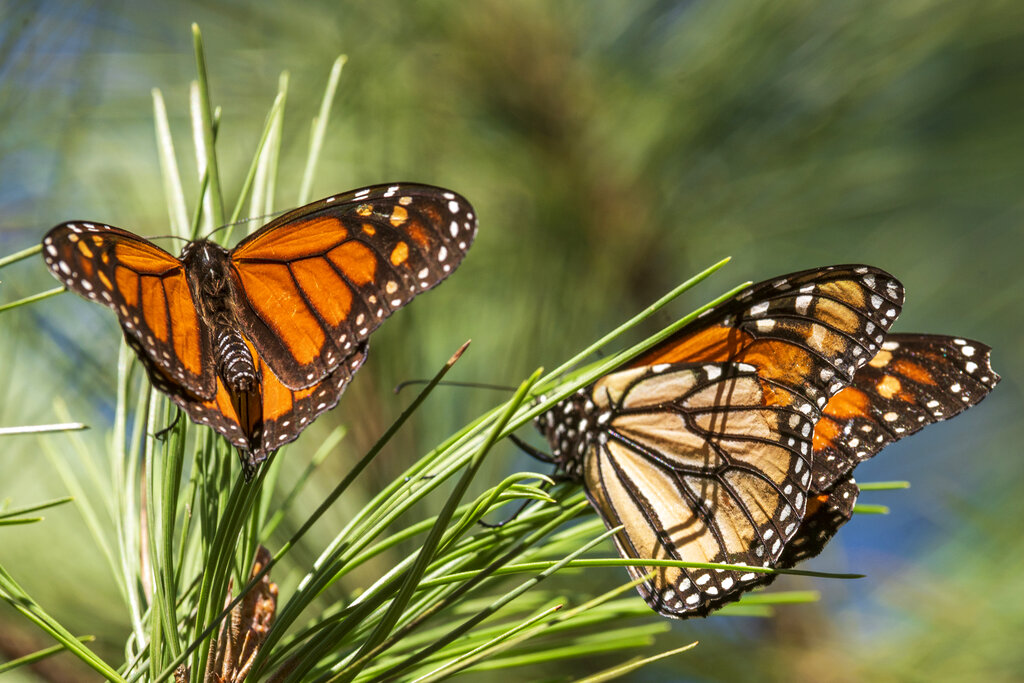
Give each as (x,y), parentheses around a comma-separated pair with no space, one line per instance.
(571,427)
(208,268)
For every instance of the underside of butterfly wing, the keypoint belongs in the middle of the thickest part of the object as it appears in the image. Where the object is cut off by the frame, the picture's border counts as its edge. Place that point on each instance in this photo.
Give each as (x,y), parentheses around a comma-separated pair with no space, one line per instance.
(697,465)
(825,513)
(685,449)
(807,331)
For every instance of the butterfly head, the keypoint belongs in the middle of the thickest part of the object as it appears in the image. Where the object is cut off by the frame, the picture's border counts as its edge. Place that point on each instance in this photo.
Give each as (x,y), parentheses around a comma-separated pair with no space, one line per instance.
(207,265)
(203,253)
(571,428)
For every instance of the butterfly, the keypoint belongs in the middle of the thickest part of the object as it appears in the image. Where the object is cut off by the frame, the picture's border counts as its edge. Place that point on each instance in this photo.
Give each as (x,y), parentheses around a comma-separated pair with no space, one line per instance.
(733,440)
(256,342)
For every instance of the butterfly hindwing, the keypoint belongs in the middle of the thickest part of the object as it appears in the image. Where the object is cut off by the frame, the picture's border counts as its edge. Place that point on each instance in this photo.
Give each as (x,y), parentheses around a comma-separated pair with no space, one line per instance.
(825,513)
(913,381)
(700,465)
(147,289)
(317,281)
(262,421)
(287,412)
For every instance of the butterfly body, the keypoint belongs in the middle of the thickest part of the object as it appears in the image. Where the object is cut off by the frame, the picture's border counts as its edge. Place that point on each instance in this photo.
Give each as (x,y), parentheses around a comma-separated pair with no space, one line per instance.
(258,340)
(214,294)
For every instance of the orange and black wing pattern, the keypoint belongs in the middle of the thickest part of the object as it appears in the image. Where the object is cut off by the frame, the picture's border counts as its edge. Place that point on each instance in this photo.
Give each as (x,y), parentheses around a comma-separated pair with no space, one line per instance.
(317,281)
(291,307)
(147,289)
(701,448)
(913,381)
(698,464)
(808,331)
(262,421)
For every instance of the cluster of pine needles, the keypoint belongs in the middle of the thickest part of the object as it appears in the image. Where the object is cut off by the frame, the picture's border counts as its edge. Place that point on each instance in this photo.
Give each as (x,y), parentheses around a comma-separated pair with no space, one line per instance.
(190,547)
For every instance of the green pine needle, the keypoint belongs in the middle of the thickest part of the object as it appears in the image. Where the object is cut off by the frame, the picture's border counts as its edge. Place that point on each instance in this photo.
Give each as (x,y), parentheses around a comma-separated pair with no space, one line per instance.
(179,526)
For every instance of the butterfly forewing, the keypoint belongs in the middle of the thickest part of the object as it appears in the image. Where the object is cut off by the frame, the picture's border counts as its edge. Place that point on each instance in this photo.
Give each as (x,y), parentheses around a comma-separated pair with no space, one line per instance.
(147,289)
(698,466)
(913,381)
(808,331)
(319,280)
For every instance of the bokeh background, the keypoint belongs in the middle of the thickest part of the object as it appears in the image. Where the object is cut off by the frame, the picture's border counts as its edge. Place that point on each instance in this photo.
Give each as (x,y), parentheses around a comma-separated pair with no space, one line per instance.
(611,150)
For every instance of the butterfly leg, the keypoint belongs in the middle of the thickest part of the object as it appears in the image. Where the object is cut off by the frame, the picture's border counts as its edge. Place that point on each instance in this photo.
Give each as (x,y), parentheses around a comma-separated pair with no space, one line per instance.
(512,517)
(530,450)
(162,434)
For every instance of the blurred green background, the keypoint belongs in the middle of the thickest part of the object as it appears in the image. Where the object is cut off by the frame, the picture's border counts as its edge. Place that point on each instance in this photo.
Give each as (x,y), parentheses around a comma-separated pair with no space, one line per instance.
(611,150)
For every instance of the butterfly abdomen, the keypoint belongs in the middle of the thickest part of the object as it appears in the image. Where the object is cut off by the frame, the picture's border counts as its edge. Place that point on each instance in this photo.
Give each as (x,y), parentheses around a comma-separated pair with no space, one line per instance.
(234,362)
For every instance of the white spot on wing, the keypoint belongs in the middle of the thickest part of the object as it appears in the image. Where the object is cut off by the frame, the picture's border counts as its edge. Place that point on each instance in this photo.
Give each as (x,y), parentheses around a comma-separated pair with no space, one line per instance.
(759,309)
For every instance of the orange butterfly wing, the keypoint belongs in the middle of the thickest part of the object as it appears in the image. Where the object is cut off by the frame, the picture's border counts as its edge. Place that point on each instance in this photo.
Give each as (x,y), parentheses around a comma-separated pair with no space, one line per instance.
(915,380)
(262,421)
(693,486)
(307,290)
(809,330)
(146,287)
(317,281)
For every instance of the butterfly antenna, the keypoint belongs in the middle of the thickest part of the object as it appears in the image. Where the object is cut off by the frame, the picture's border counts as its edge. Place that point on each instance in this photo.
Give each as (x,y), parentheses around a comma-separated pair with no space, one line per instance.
(471,385)
(498,525)
(243,221)
(168,237)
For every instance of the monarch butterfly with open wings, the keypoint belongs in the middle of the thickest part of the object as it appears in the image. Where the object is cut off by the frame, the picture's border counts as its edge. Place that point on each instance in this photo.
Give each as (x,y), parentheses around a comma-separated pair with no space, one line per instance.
(258,341)
(733,440)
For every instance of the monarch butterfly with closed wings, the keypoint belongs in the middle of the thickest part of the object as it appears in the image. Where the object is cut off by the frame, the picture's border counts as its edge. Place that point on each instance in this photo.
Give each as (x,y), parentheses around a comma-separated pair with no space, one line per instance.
(734,440)
(258,341)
